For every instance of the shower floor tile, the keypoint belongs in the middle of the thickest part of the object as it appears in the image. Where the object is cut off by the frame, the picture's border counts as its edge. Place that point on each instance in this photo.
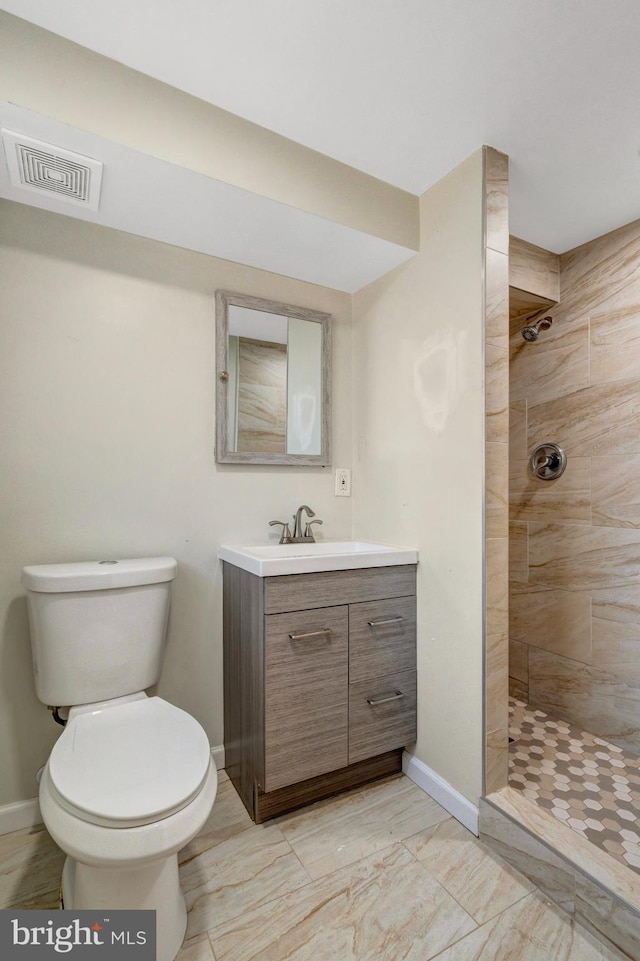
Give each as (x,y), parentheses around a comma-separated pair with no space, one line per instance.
(589,784)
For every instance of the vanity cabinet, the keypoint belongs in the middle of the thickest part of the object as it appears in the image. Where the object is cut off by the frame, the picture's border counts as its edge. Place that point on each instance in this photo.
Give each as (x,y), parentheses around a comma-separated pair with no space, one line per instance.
(319,681)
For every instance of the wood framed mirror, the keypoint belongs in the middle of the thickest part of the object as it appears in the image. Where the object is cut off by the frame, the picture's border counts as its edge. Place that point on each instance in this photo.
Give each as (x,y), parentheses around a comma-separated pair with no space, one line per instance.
(273,387)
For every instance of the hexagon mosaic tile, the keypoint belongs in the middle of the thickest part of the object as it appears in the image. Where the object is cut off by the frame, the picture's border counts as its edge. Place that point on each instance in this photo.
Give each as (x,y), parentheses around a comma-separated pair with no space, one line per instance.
(591,785)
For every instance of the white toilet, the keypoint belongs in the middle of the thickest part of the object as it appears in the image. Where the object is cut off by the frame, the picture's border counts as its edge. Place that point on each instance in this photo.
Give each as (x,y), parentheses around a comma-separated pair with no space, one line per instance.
(130,780)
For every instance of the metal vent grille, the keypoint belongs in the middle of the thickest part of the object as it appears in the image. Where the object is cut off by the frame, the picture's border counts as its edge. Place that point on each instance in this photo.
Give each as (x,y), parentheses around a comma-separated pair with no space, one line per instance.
(42,167)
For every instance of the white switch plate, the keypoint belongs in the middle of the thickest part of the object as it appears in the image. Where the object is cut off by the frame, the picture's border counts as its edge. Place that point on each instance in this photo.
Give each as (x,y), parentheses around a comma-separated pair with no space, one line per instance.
(343,482)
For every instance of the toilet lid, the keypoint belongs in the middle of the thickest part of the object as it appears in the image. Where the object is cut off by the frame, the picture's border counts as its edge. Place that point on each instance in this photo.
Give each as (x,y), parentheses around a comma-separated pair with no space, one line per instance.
(131,763)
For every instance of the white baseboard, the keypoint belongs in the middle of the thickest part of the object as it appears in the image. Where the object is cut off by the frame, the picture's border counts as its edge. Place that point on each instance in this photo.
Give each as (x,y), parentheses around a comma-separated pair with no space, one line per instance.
(20,815)
(441,791)
(25,814)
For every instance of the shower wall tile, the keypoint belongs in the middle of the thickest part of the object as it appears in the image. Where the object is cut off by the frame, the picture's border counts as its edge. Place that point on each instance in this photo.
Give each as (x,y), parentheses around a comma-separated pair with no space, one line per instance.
(496,318)
(496,765)
(611,427)
(565,500)
(577,558)
(556,621)
(616,648)
(555,365)
(534,269)
(578,386)
(496,394)
(518,552)
(518,431)
(618,605)
(497,667)
(496,200)
(496,538)
(518,658)
(497,593)
(603,703)
(519,689)
(603,274)
(497,490)
(616,491)
(615,344)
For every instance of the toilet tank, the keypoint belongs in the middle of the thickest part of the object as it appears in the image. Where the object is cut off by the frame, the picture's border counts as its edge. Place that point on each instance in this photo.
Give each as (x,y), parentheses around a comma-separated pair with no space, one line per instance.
(97,627)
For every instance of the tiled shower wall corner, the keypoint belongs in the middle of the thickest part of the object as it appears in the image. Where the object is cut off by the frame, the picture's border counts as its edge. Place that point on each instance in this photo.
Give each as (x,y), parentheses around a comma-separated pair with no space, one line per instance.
(496,466)
(574,621)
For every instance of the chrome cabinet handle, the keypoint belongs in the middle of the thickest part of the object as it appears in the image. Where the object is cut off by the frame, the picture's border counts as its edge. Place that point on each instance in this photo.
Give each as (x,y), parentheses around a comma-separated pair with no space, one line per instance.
(386,620)
(325,632)
(374,701)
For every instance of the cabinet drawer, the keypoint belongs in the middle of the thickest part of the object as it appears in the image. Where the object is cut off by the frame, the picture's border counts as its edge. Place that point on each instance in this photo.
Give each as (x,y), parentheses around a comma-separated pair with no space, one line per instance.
(306,699)
(382,638)
(387,723)
(300,592)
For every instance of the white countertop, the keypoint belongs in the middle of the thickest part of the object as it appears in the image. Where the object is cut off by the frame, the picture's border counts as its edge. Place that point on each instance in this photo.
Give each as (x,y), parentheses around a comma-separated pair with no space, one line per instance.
(268,560)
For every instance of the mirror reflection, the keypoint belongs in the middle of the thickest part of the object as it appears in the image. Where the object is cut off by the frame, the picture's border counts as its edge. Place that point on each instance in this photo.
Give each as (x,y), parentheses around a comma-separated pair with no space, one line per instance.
(273,368)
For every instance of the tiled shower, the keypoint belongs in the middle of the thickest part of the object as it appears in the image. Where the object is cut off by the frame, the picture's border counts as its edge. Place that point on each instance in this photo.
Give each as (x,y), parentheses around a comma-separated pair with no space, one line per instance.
(574,544)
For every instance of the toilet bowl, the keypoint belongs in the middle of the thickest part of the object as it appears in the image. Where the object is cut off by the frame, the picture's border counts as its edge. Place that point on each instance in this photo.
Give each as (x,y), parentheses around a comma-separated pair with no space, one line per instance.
(127,785)
(130,781)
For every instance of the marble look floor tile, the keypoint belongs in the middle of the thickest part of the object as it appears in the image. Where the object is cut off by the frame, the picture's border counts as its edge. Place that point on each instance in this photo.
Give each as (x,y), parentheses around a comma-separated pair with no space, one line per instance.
(228,818)
(196,949)
(480,881)
(233,875)
(531,930)
(331,834)
(386,907)
(30,869)
(528,855)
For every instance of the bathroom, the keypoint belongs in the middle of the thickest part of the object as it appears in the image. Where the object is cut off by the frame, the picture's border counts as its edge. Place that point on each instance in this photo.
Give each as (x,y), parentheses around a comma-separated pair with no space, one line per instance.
(108,435)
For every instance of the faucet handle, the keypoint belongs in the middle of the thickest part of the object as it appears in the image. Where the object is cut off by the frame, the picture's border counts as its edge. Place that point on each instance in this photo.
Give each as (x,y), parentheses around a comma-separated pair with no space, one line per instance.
(286,531)
(308,532)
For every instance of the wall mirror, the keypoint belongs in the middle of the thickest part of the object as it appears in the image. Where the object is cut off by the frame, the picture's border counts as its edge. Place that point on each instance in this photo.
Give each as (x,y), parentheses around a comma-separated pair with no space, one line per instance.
(273,382)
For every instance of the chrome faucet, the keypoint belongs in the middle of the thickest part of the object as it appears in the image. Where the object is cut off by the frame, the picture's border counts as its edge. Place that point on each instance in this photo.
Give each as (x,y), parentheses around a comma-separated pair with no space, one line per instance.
(298,536)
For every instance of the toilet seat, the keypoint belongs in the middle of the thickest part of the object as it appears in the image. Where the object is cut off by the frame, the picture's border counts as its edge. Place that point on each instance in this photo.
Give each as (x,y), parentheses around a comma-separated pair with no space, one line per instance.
(129,764)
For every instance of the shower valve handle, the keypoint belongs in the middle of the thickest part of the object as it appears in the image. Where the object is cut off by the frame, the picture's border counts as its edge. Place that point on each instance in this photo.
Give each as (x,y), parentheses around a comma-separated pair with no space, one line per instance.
(548,461)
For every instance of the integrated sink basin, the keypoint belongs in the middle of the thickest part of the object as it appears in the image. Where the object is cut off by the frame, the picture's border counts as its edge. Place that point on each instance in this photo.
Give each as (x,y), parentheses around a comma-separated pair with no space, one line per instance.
(267,560)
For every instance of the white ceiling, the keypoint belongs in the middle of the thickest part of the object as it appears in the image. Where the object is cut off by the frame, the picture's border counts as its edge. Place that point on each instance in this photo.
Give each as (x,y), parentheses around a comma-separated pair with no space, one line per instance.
(406,89)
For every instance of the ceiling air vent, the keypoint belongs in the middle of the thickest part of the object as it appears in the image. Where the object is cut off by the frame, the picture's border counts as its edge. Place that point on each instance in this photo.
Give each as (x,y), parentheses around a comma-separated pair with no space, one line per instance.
(44,168)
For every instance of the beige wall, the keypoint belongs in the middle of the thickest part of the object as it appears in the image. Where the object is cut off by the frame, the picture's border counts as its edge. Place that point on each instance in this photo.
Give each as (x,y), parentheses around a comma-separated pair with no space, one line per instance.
(419,471)
(575,597)
(107,427)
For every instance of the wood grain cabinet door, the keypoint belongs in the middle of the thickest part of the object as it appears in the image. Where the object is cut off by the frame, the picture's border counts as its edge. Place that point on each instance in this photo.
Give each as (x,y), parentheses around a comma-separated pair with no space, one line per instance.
(382,638)
(306,695)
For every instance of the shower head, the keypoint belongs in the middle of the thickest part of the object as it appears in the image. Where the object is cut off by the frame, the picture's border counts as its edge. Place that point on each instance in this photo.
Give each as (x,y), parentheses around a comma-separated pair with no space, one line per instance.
(531,333)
